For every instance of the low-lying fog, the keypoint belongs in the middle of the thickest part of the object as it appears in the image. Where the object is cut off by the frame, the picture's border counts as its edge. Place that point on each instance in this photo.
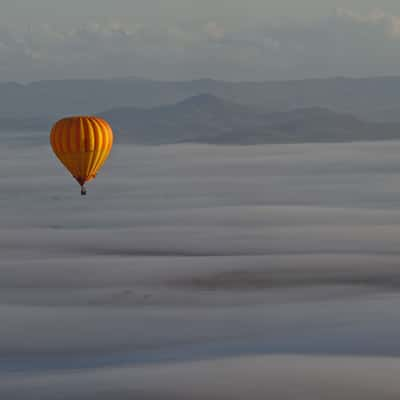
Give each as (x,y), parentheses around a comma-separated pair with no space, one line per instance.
(188,266)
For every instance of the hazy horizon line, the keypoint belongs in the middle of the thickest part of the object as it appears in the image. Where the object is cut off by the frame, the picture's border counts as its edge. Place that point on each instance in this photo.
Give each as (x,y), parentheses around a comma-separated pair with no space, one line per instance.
(156,80)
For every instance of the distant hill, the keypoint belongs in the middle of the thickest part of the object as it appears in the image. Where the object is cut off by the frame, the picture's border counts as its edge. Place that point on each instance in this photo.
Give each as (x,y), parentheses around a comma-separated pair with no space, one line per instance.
(199,118)
(208,119)
(374,99)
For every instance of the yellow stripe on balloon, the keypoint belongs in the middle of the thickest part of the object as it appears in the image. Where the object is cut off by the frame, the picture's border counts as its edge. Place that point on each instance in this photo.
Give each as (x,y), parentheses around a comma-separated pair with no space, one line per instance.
(100,148)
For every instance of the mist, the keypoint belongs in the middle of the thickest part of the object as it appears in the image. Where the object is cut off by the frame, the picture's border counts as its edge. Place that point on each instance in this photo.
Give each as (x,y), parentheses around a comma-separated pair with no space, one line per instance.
(189,265)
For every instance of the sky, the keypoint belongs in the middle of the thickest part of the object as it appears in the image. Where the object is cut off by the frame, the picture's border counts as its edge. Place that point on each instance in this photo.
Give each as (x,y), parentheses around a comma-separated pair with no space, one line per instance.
(181,39)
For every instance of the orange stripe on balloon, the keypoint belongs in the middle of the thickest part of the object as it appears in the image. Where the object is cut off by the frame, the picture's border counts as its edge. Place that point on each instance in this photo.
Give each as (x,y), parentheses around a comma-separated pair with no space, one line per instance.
(105,148)
(57,139)
(89,139)
(68,131)
(99,144)
(108,133)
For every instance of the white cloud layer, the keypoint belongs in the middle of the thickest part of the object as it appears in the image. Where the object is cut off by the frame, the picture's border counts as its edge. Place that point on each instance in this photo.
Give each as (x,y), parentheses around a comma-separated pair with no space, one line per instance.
(391,23)
(189,252)
(347,43)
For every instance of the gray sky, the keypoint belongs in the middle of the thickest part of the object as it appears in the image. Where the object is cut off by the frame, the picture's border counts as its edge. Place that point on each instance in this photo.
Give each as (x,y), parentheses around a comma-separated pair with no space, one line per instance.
(181,39)
(23,11)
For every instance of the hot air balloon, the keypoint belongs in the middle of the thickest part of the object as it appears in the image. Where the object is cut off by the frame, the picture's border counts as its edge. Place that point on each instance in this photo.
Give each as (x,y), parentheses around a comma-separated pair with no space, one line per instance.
(82,144)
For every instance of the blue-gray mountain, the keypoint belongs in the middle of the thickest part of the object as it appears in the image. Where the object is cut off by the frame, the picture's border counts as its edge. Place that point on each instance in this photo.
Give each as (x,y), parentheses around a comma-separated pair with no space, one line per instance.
(374,99)
(208,119)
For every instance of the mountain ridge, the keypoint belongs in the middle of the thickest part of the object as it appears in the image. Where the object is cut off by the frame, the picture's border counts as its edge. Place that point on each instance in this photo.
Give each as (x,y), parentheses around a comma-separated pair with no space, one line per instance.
(375,99)
(206,118)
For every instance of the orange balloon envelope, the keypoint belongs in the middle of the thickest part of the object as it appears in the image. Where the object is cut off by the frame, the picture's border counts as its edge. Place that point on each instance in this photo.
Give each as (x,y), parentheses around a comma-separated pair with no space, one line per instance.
(82,144)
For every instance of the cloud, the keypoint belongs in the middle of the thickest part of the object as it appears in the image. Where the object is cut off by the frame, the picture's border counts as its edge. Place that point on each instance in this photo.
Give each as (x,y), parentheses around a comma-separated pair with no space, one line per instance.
(347,43)
(256,377)
(374,17)
(214,31)
(191,252)
(390,23)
